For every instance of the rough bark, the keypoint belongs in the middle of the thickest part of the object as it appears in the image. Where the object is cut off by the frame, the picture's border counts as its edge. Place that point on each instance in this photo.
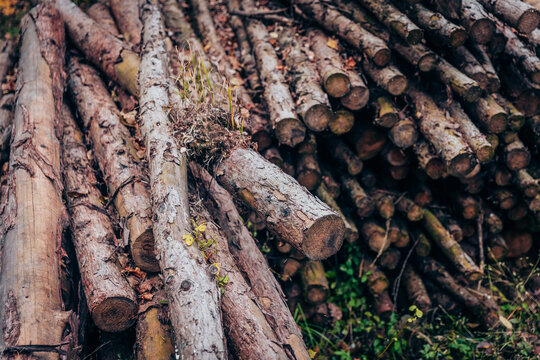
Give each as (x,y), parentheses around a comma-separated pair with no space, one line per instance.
(7,106)
(289,130)
(253,264)
(363,202)
(101,14)
(395,20)
(520,15)
(367,139)
(335,22)
(419,55)
(153,337)
(526,183)
(312,103)
(442,134)
(450,247)
(477,21)
(111,300)
(308,172)
(117,158)
(33,214)
(340,152)
(515,118)
(248,331)
(437,25)
(428,160)
(193,294)
(351,231)
(341,122)
(103,49)
(481,54)
(416,289)
(334,78)
(7,52)
(126,13)
(449,8)
(315,283)
(358,96)
(384,202)
(461,84)
(523,93)
(289,210)
(467,63)
(388,78)
(475,138)
(489,114)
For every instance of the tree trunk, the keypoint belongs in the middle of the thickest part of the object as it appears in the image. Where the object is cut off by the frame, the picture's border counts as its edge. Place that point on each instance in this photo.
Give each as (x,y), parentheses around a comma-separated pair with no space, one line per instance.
(395,20)
(384,202)
(523,93)
(388,78)
(33,214)
(289,210)
(489,114)
(308,146)
(117,158)
(481,54)
(253,264)
(289,130)
(515,118)
(101,14)
(111,301)
(334,78)
(193,295)
(477,21)
(450,247)
(516,155)
(520,15)
(377,282)
(390,258)
(469,65)
(126,13)
(358,37)
(529,186)
(154,338)
(419,55)
(441,133)
(312,102)
(103,49)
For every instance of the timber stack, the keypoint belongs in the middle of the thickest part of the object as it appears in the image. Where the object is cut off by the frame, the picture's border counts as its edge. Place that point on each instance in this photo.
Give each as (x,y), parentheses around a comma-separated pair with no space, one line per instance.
(181,174)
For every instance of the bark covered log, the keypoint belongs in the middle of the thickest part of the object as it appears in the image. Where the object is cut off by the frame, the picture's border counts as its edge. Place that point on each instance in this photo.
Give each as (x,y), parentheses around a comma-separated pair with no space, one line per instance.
(340,152)
(362,201)
(111,300)
(428,160)
(404,133)
(290,211)
(386,112)
(193,294)
(103,49)
(351,231)
(315,283)
(33,214)
(154,337)
(308,171)
(520,15)
(341,122)
(358,96)
(520,90)
(126,13)
(388,78)
(367,139)
(477,21)
(101,14)
(253,264)
(117,158)
(460,83)
(416,289)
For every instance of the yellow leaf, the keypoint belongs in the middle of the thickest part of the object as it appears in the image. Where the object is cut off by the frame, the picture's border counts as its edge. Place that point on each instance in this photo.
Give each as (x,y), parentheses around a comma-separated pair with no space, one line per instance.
(188,239)
(312,353)
(201,228)
(507,324)
(332,44)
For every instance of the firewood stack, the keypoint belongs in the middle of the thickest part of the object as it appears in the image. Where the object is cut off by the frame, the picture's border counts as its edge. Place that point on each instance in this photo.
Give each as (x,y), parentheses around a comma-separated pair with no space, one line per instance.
(143,144)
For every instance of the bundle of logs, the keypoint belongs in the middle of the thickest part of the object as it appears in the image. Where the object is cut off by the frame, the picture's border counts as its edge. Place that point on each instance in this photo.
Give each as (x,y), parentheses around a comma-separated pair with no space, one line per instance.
(143,142)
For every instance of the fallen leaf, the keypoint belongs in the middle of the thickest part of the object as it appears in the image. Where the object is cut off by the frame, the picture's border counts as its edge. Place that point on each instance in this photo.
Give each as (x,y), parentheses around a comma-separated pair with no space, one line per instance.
(331,43)
(147,296)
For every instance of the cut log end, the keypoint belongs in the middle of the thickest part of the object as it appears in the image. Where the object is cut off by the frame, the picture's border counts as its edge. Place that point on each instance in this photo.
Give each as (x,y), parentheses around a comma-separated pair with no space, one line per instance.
(497,123)
(382,57)
(482,31)
(458,37)
(518,159)
(462,165)
(427,62)
(309,178)
(143,252)
(317,294)
(318,117)
(115,314)
(528,21)
(262,139)
(324,238)
(356,99)
(415,36)
(397,85)
(342,122)
(290,132)
(337,85)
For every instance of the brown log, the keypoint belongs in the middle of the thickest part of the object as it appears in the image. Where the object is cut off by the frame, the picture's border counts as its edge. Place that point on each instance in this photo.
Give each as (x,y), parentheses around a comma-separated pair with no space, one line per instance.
(335,22)
(526,183)
(315,284)
(403,134)
(273,155)
(497,248)
(453,227)
(358,95)
(468,206)
(520,90)
(344,156)
(428,160)
(375,236)
(153,336)
(489,114)
(117,159)
(504,198)
(500,174)
(7,106)
(416,289)
(390,258)
(362,201)
(283,248)
(111,300)
(377,282)
(383,305)
(395,156)
(419,55)
(421,194)
(395,20)
(193,294)
(289,268)
(386,113)
(288,209)
(467,63)
(308,172)
(437,25)
(409,208)
(312,103)
(481,54)
(384,202)
(101,14)
(461,84)
(520,15)
(367,139)
(289,130)
(126,13)
(7,52)
(308,146)
(477,21)
(441,133)
(334,77)
(423,247)
(247,329)
(351,231)
(493,222)
(32,213)
(388,78)
(516,155)
(333,187)
(103,49)
(519,243)
(450,247)
(341,122)
(516,119)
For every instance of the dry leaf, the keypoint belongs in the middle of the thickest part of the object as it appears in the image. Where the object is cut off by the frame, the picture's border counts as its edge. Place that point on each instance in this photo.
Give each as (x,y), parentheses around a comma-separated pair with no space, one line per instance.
(331,43)
(147,296)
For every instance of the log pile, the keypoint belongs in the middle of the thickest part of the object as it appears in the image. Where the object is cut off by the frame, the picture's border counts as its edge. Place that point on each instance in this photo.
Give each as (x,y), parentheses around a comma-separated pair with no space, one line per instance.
(146,144)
